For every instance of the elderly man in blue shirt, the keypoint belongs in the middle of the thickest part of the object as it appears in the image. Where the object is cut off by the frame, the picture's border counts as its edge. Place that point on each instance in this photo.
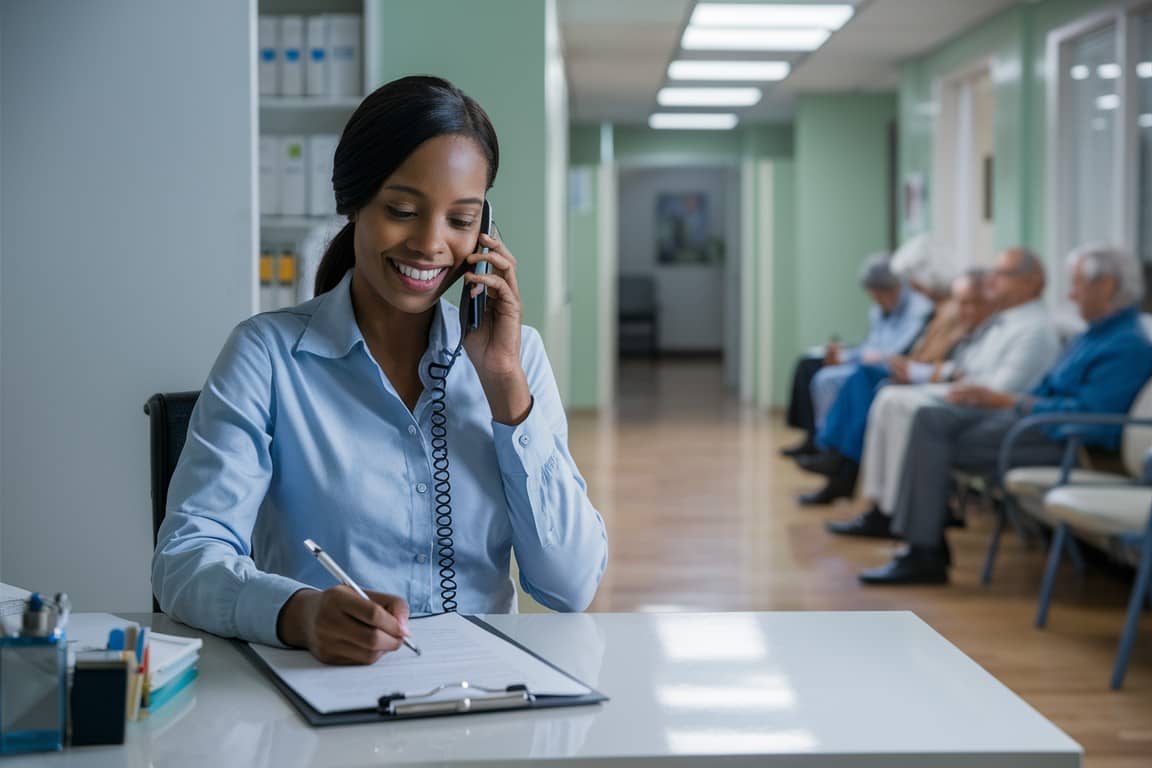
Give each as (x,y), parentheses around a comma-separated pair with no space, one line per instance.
(1102,371)
(896,318)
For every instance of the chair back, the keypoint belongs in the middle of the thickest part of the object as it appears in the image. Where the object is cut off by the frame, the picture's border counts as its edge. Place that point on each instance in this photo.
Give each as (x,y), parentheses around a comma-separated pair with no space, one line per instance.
(1137,441)
(168,416)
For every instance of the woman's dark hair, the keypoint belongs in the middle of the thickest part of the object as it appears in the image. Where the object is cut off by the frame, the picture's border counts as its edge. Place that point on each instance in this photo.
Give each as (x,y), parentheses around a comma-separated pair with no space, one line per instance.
(384,130)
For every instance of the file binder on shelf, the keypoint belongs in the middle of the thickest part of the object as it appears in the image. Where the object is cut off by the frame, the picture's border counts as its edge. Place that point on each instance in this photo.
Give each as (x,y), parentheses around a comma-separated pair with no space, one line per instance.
(449,697)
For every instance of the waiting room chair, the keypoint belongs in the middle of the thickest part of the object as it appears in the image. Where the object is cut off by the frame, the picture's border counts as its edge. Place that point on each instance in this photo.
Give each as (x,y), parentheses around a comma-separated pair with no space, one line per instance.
(1120,512)
(168,415)
(639,312)
(1024,488)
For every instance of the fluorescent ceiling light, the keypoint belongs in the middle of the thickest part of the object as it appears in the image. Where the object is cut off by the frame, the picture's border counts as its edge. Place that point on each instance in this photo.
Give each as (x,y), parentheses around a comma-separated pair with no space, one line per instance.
(1145,120)
(708,97)
(699,121)
(1108,101)
(688,69)
(1080,72)
(709,39)
(1108,71)
(1144,69)
(771,15)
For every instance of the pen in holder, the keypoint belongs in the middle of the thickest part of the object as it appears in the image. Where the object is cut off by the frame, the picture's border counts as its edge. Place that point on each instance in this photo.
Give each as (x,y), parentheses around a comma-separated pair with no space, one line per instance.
(33,679)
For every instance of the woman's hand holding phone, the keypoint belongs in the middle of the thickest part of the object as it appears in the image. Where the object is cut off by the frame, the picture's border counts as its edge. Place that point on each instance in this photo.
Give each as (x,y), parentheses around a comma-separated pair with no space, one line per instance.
(340,627)
(494,348)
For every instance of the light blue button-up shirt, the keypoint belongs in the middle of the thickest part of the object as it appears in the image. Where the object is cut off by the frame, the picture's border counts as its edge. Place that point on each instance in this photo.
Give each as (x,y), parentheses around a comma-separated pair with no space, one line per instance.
(894,333)
(299,434)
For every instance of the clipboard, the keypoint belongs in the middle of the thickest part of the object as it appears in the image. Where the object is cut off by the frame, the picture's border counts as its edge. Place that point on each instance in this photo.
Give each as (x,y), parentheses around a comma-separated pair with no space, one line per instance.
(397,706)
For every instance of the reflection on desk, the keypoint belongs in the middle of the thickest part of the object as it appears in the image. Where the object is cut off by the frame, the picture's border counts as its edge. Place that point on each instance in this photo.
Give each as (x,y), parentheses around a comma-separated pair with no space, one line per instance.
(834,690)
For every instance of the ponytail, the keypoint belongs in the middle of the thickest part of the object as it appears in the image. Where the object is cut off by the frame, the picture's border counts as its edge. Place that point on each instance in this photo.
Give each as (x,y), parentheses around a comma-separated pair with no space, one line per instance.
(338,259)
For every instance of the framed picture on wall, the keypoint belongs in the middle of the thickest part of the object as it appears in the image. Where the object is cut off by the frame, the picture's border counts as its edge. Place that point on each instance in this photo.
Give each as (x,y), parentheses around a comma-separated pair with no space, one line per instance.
(683,230)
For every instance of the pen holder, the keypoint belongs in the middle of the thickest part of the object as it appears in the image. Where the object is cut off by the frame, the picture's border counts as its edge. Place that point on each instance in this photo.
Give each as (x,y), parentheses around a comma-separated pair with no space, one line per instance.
(33,690)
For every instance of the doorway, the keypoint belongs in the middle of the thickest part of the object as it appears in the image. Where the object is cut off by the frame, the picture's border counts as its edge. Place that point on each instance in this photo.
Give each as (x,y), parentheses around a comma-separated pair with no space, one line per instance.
(963,167)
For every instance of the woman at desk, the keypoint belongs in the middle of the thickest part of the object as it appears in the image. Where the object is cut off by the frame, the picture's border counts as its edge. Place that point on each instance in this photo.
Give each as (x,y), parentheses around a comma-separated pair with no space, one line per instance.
(323,420)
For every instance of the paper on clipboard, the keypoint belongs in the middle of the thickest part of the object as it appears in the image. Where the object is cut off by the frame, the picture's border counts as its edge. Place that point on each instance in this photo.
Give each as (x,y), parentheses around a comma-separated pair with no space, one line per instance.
(454,650)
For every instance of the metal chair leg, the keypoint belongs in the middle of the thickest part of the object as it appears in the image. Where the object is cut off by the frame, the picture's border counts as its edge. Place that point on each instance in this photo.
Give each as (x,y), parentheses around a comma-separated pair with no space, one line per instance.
(993,546)
(1054,553)
(1075,554)
(1140,591)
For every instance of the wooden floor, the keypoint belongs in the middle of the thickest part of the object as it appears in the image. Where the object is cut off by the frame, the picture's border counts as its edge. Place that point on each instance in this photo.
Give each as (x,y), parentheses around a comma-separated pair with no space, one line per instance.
(700,514)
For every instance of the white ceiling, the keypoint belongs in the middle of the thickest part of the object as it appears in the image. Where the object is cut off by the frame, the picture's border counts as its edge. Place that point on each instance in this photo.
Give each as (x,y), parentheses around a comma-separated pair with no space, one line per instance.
(616,52)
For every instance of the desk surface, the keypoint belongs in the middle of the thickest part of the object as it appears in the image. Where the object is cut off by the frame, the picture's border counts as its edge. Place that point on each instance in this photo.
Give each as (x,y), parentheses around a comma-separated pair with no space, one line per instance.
(858,689)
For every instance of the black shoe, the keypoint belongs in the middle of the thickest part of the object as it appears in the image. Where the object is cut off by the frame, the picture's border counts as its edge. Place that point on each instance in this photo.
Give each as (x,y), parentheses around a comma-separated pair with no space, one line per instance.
(805,448)
(826,463)
(840,486)
(916,565)
(872,524)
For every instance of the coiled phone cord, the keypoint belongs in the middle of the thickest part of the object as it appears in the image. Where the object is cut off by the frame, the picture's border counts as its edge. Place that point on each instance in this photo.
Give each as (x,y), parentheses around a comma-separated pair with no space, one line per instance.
(442,479)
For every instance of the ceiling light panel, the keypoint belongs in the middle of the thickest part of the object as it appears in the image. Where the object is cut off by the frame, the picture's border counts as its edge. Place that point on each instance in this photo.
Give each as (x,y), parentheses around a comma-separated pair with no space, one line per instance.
(710,39)
(708,97)
(693,121)
(831,17)
(689,69)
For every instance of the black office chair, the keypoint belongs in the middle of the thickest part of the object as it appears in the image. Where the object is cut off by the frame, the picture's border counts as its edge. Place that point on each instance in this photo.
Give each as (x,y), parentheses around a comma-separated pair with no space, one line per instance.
(638,314)
(168,414)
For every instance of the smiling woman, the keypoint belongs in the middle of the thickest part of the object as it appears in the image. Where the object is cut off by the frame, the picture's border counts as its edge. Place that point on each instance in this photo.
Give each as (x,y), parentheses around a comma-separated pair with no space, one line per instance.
(329,420)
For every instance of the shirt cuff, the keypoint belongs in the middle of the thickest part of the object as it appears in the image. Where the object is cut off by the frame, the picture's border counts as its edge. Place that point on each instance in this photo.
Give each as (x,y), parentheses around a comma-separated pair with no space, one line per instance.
(525,449)
(259,604)
(920,373)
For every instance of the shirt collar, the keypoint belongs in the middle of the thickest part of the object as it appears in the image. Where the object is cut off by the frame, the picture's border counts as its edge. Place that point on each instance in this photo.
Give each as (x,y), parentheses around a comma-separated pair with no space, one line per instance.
(332,331)
(1124,316)
(901,304)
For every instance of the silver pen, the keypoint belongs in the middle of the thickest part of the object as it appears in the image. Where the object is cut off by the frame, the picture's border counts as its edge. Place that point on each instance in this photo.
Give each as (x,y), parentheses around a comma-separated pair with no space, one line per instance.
(334,569)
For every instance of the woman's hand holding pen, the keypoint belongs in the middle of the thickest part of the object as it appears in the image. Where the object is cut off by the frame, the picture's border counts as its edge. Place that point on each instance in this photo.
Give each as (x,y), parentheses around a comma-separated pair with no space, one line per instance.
(340,627)
(494,348)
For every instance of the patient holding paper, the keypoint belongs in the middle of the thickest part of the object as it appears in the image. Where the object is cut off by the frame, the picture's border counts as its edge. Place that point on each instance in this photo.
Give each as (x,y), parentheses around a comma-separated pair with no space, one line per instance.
(356,419)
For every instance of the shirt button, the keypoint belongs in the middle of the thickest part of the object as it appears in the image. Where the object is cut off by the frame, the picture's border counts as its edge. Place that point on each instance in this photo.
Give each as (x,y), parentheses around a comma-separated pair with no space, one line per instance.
(421,488)
(421,558)
(412,430)
(524,439)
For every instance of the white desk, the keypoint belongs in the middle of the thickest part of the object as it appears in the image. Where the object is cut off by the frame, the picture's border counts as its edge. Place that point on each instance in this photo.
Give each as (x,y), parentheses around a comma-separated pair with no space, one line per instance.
(835,690)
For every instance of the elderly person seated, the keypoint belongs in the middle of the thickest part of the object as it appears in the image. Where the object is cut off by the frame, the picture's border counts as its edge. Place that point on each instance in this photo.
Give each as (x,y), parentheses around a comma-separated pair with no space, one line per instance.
(841,439)
(1100,372)
(896,319)
(1009,352)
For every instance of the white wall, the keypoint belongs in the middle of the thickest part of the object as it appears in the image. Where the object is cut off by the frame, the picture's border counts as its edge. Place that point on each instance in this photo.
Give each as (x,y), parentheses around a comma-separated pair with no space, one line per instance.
(692,297)
(127,130)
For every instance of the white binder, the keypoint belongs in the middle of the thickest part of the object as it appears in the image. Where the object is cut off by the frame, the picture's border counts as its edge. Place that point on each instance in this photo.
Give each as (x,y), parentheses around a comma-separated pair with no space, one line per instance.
(345,53)
(292,56)
(321,150)
(269,175)
(268,44)
(293,156)
(316,59)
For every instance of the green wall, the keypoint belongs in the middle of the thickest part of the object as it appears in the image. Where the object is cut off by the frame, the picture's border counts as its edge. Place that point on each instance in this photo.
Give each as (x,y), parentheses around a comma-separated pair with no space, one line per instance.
(843,198)
(1015,42)
(584,281)
(784,342)
(495,52)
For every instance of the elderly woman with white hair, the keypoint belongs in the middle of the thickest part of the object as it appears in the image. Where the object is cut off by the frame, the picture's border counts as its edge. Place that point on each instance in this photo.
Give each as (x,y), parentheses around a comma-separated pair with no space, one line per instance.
(1101,372)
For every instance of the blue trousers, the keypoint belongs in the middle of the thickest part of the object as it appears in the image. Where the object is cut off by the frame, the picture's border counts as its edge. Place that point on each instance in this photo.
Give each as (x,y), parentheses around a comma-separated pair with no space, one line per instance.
(843,429)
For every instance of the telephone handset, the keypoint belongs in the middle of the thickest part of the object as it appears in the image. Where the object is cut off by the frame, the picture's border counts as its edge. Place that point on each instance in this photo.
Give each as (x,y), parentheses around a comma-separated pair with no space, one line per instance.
(472,307)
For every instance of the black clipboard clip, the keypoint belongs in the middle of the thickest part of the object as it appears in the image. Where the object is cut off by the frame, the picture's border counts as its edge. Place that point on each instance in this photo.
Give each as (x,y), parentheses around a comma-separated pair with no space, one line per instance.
(412,704)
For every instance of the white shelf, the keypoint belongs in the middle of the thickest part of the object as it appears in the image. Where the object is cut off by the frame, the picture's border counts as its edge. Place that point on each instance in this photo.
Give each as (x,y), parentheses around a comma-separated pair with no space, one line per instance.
(309,103)
(294,222)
